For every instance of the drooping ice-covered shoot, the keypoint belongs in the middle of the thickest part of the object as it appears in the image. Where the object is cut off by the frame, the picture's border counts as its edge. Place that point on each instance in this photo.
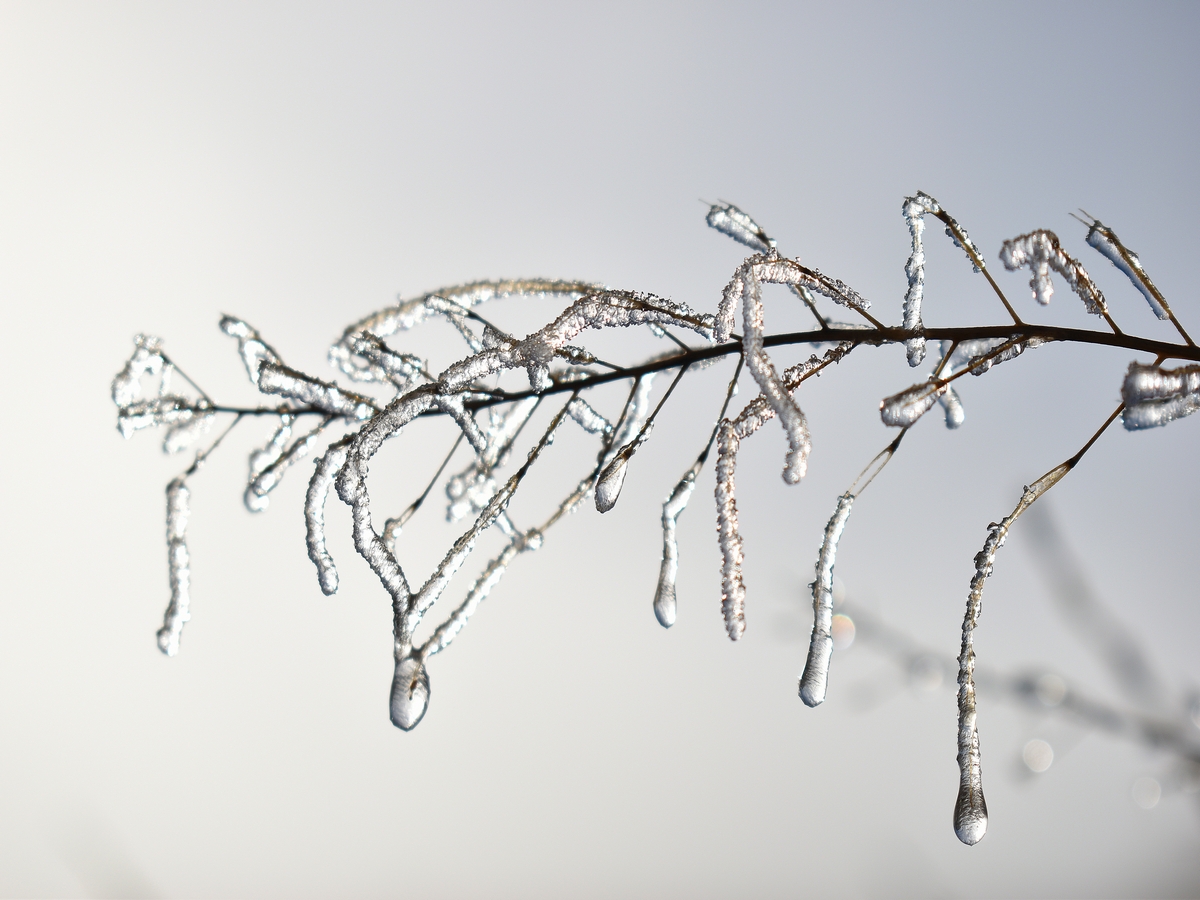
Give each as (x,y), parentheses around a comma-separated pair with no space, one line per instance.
(397,391)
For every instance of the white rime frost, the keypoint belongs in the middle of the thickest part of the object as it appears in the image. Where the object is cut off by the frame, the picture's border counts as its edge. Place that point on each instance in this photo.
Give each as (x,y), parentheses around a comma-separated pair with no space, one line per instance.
(815,678)
(970,810)
(1041,252)
(1154,396)
(1105,240)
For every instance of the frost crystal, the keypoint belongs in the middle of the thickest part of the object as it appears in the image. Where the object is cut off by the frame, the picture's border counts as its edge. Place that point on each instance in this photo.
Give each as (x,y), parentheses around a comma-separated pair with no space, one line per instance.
(1154,396)
(815,678)
(1040,251)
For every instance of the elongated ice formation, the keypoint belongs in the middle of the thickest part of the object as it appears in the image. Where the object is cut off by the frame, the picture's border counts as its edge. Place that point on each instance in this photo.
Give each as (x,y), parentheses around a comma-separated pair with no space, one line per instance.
(253,349)
(276,378)
(264,457)
(733,591)
(1041,251)
(903,409)
(729,220)
(314,515)
(914,210)
(346,355)
(970,810)
(178,567)
(263,482)
(1154,396)
(953,408)
(815,678)
(1105,240)
(664,595)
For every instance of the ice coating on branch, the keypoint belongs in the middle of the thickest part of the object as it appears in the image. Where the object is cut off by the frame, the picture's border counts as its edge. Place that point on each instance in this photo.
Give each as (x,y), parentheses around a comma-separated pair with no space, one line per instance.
(276,378)
(266,480)
(263,458)
(1041,252)
(409,313)
(970,810)
(733,590)
(470,490)
(729,220)
(146,359)
(772,269)
(401,369)
(410,693)
(1105,240)
(253,349)
(1155,396)
(815,678)
(953,408)
(587,418)
(314,516)
(903,409)
(178,567)
(914,209)
(664,595)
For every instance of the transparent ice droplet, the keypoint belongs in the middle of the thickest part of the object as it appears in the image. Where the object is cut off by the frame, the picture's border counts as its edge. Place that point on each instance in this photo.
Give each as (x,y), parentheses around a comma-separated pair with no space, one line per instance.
(664,603)
(608,485)
(410,693)
(970,816)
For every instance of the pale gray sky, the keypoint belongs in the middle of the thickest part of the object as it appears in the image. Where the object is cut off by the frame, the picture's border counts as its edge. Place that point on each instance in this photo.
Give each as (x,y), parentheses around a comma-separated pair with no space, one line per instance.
(301,164)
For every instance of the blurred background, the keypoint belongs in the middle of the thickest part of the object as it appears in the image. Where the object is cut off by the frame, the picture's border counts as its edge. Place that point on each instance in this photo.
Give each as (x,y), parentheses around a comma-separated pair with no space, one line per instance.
(300,165)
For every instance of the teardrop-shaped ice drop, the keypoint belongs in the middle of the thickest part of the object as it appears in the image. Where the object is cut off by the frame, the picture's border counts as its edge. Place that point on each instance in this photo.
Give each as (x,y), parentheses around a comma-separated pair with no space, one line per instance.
(664,603)
(970,815)
(410,693)
(608,485)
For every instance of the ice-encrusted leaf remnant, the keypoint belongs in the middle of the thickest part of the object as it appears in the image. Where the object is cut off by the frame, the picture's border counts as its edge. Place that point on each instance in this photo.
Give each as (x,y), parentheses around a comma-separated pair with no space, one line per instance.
(1154,396)
(728,219)
(970,810)
(1104,239)
(1042,253)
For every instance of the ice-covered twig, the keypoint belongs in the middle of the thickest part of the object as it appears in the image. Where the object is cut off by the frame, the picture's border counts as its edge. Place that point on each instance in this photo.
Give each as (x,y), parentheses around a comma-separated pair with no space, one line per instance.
(664,594)
(914,210)
(1105,240)
(276,378)
(178,567)
(265,480)
(1154,396)
(346,355)
(970,810)
(1041,252)
(815,678)
(252,348)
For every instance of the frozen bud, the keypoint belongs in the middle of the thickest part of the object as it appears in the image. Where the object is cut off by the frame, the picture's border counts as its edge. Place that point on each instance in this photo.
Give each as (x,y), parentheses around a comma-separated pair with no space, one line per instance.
(728,219)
